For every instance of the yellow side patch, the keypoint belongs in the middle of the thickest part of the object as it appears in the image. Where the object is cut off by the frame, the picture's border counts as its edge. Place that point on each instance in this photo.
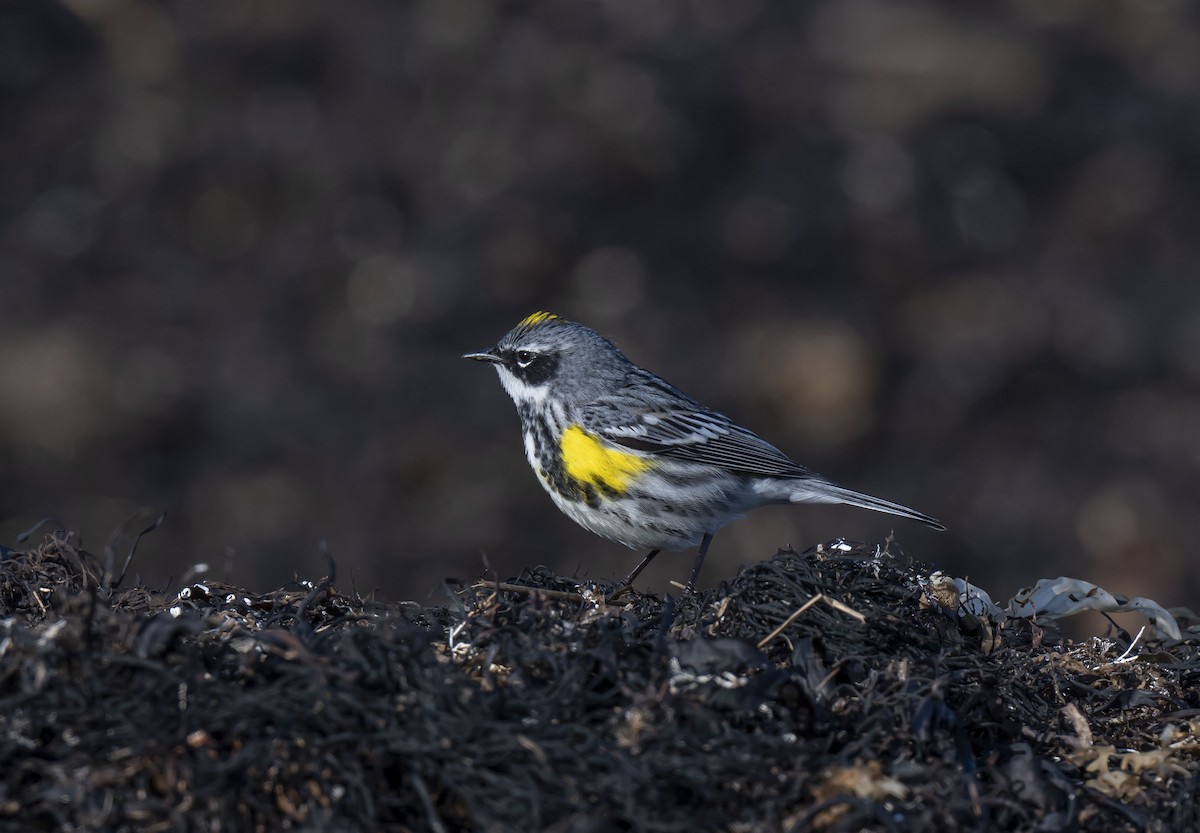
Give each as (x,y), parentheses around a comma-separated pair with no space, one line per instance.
(537,318)
(587,460)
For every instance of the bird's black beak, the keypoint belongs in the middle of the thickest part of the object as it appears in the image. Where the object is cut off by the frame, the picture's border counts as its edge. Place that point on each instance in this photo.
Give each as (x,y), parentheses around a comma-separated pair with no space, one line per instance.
(490,355)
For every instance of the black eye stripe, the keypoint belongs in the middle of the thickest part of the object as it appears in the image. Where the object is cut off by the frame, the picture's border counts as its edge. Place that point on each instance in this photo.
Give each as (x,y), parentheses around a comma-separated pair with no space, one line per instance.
(538,369)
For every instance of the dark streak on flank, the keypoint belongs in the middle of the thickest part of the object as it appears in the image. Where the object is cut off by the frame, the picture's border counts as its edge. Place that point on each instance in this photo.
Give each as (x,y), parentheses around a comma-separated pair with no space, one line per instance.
(550,463)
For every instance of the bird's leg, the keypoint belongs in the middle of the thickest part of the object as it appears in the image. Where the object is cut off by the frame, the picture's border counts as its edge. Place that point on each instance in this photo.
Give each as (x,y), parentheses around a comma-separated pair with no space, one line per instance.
(637,571)
(699,560)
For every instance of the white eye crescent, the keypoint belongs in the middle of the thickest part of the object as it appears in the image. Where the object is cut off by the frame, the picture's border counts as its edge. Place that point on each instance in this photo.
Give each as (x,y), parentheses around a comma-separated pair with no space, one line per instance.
(525,358)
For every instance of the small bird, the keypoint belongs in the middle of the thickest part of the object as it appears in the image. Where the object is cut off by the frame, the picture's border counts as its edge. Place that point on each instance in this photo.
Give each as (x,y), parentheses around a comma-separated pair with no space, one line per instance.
(632,458)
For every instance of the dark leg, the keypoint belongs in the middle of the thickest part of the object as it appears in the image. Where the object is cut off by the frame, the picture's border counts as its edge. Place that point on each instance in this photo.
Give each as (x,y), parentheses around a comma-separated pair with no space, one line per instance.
(699,560)
(637,571)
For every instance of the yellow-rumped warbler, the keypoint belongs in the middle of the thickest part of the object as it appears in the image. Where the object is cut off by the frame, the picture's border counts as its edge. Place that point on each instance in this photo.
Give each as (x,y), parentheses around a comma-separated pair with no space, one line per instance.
(631,458)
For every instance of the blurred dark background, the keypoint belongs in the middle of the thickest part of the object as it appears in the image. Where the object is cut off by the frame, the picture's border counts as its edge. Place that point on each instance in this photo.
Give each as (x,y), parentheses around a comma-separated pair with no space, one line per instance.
(942,252)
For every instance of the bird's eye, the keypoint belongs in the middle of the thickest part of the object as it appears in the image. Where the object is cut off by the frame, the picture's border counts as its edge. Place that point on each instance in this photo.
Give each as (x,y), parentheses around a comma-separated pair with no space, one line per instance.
(525,358)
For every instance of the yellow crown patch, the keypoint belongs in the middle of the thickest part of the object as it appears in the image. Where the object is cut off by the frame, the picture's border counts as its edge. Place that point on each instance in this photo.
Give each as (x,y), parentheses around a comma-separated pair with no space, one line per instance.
(539,317)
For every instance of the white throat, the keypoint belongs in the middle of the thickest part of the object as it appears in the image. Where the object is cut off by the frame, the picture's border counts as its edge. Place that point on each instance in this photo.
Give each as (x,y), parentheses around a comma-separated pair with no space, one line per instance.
(520,391)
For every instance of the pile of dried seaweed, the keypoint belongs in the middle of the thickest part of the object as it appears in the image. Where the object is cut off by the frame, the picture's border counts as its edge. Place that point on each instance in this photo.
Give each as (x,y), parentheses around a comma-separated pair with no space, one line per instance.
(815,691)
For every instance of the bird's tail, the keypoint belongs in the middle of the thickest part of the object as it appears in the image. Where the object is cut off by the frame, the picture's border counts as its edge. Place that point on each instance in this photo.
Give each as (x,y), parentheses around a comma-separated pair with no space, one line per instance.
(820,491)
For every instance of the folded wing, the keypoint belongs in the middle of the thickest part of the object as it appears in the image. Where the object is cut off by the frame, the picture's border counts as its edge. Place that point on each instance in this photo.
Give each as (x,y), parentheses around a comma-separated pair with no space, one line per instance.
(685,430)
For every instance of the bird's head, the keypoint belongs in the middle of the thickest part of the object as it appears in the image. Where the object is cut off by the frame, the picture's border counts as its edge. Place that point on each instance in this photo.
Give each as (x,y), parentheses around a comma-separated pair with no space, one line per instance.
(545,353)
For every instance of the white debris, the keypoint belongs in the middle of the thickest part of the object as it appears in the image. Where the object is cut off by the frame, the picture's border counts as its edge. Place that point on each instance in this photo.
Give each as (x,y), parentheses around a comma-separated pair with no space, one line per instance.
(1060,597)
